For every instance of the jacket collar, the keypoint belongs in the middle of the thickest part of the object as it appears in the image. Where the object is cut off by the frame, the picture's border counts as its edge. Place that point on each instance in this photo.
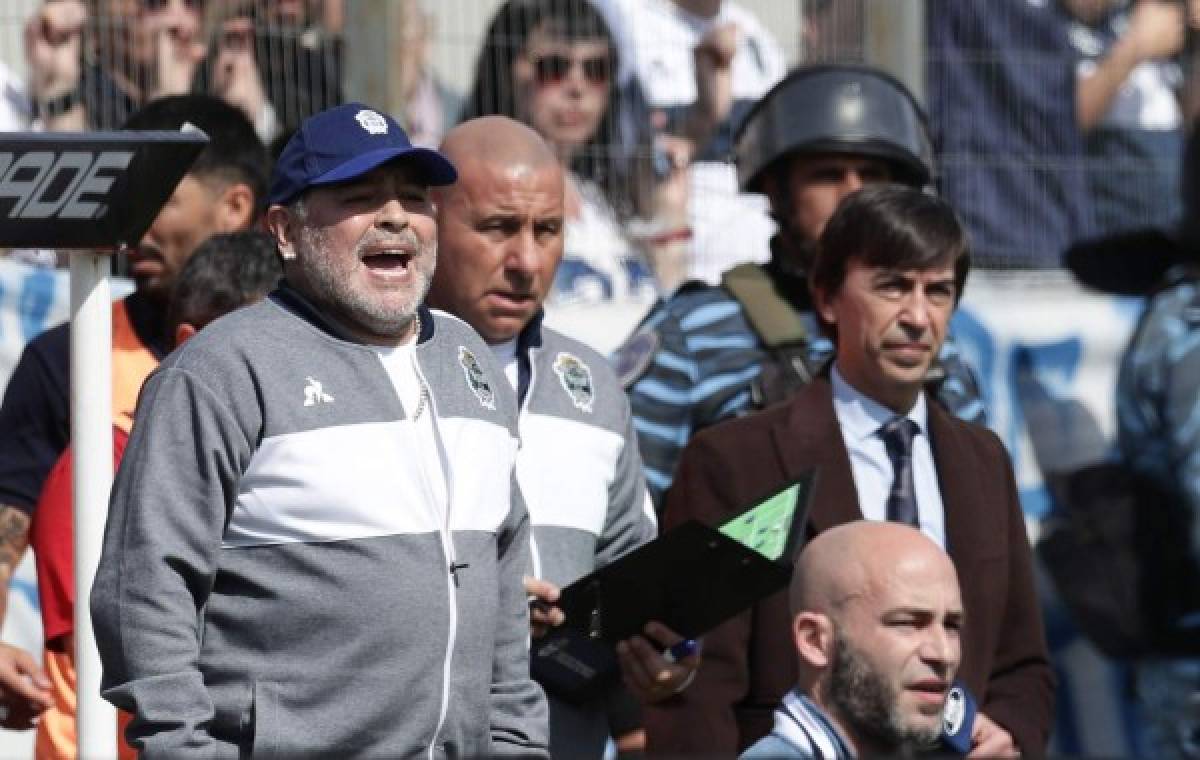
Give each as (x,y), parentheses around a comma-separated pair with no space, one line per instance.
(531,335)
(809,435)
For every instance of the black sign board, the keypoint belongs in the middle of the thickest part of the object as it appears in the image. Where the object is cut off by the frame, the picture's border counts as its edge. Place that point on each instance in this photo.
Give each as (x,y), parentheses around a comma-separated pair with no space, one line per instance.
(93,190)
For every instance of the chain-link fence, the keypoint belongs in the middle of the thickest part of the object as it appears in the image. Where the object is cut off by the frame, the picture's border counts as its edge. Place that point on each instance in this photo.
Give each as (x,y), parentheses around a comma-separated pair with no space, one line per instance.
(1043,139)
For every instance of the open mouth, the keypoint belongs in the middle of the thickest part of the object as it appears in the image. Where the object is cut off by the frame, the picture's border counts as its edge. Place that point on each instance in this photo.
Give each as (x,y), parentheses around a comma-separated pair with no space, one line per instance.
(388,260)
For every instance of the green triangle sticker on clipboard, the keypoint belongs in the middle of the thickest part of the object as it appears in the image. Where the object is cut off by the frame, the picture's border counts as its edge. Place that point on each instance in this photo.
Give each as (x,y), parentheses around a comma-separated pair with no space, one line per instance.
(767,526)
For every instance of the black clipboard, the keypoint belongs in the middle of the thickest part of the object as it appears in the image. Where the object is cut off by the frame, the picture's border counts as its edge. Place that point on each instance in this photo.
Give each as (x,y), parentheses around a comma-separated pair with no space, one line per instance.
(691,579)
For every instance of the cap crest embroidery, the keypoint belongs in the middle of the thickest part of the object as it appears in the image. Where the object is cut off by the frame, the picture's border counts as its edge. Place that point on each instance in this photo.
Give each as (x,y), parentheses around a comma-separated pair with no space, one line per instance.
(372,122)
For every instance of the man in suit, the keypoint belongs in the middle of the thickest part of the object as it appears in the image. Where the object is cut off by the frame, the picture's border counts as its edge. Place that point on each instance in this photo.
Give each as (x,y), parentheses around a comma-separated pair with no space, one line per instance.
(889,270)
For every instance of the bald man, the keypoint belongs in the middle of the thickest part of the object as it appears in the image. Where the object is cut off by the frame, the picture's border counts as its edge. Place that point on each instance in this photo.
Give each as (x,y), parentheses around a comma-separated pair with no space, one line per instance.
(500,234)
(876,619)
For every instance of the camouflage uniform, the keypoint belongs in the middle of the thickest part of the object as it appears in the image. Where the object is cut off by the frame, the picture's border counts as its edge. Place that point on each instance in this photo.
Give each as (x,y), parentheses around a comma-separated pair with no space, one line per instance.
(1158,429)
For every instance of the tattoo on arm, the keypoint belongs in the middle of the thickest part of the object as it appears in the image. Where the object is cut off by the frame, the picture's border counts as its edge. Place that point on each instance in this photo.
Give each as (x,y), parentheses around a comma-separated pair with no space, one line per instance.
(14,537)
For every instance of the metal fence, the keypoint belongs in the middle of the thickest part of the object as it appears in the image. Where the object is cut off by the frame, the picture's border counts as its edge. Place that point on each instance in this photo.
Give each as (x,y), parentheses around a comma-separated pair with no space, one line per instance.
(999,78)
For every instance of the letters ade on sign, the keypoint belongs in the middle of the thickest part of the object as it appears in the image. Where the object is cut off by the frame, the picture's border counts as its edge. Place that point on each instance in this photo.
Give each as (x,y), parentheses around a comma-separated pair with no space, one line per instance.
(88,189)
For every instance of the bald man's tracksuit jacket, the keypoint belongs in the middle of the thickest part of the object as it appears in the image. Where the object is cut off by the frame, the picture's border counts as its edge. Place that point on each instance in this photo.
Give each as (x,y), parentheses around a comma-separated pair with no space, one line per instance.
(581,477)
(277,578)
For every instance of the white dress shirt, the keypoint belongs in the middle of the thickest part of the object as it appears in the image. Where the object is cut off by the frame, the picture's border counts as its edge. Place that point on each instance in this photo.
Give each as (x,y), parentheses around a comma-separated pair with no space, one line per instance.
(860,419)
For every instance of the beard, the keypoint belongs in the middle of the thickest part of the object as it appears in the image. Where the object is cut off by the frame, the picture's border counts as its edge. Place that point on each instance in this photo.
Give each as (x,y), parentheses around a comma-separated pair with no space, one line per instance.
(869,705)
(329,277)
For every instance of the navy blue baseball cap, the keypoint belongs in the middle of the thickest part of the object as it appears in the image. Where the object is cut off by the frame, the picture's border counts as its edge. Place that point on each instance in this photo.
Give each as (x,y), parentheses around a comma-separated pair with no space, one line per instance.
(346,142)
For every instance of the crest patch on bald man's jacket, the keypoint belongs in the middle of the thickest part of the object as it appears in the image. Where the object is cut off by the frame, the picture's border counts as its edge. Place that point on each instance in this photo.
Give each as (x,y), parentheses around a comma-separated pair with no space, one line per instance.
(576,379)
(476,380)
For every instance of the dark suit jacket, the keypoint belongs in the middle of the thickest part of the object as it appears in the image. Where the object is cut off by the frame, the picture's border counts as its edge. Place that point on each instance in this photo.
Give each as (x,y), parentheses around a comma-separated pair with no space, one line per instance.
(750,663)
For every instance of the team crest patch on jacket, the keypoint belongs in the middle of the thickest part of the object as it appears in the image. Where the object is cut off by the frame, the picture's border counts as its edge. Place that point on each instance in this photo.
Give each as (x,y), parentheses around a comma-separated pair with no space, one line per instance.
(576,379)
(476,379)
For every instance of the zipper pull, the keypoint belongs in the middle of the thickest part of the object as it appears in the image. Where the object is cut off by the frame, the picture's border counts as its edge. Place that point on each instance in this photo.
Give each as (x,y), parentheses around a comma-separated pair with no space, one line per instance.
(455,567)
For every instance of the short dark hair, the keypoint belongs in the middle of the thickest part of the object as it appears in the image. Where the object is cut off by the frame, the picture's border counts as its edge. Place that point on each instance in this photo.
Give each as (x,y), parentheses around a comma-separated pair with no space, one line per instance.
(234,151)
(894,226)
(226,272)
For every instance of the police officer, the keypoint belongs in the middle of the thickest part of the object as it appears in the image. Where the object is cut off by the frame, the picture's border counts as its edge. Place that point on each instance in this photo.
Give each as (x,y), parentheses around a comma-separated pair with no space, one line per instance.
(709,353)
(1158,430)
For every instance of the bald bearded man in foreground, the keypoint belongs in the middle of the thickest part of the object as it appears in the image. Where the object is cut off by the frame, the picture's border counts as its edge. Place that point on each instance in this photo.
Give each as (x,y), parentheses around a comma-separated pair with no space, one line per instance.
(500,238)
(877,616)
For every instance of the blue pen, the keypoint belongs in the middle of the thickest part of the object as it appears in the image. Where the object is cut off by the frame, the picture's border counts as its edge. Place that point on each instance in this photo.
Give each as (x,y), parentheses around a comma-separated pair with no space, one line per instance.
(685,648)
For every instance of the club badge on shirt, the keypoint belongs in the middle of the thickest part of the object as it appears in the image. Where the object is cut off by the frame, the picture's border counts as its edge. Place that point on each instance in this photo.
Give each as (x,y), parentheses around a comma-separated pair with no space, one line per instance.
(958,719)
(476,380)
(576,379)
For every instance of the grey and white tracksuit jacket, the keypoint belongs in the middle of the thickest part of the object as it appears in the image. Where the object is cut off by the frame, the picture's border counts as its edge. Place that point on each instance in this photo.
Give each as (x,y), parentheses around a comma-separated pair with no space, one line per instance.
(581,477)
(276,578)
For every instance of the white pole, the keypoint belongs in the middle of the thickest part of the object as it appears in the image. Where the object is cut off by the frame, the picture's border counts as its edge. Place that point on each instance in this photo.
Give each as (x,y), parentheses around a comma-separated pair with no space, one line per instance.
(91,440)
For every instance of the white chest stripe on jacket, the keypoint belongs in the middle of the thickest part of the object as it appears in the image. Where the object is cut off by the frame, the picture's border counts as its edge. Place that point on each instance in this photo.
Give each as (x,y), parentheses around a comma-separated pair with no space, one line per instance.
(359,481)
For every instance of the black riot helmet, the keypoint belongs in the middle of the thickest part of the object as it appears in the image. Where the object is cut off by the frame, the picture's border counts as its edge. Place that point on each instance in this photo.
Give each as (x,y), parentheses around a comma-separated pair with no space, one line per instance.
(836,108)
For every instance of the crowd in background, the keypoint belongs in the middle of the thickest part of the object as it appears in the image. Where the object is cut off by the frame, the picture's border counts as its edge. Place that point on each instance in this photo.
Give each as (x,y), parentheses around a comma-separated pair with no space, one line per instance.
(1052,122)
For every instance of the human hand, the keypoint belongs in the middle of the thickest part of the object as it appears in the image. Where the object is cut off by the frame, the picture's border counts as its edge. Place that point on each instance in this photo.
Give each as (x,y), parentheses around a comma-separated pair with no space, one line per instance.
(990,740)
(543,612)
(176,57)
(1156,29)
(648,670)
(666,238)
(714,72)
(24,689)
(235,77)
(53,45)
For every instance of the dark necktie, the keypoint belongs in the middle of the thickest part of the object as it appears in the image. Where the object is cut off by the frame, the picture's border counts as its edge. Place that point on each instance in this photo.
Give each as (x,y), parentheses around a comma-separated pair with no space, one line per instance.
(897,437)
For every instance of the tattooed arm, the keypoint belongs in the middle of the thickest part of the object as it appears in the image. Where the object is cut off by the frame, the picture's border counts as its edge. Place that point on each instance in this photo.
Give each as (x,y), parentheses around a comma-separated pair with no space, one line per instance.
(14,537)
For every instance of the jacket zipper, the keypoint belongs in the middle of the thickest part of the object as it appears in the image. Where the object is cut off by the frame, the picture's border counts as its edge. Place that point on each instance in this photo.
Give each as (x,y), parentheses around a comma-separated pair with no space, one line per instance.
(451,566)
(535,558)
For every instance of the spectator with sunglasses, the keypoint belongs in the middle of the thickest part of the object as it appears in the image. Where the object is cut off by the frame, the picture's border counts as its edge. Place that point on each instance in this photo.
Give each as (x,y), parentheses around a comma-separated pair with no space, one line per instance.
(550,64)
(93,63)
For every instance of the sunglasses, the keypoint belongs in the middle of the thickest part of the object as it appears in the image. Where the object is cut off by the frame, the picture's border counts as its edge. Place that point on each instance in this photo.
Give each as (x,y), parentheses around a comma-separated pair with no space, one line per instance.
(158,5)
(552,69)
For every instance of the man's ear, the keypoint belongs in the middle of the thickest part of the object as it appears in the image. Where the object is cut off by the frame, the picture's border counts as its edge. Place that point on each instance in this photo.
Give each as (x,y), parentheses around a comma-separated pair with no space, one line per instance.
(279,223)
(812,634)
(824,306)
(235,208)
(184,332)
